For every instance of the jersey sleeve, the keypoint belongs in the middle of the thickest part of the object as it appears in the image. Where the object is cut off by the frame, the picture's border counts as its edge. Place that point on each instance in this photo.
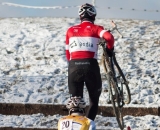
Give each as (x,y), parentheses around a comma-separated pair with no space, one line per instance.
(107,36)
(67,46)
(110,39)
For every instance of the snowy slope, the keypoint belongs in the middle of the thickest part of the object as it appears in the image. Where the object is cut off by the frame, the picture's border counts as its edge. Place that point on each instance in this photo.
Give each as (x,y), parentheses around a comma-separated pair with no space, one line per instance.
(33,66)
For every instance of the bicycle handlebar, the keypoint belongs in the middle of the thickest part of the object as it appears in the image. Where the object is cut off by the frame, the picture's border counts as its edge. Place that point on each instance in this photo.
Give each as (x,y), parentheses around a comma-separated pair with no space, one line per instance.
(116,29)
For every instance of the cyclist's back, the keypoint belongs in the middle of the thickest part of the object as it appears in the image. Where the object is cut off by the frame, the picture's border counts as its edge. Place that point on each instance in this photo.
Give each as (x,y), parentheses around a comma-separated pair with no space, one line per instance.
(83,39)
(76,122)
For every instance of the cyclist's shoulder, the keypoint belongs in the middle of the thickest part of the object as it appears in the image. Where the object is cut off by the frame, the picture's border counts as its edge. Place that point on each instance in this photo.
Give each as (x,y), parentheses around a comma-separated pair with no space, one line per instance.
(78,118)
(91,124)
(83,120)
(86,123)
(74,26)
(79,121)
(99,26)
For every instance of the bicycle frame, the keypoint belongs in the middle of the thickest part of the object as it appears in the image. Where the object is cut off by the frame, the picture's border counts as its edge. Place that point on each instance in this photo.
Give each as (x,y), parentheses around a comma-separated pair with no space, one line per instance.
(111,72)
(117,84)
(113,89)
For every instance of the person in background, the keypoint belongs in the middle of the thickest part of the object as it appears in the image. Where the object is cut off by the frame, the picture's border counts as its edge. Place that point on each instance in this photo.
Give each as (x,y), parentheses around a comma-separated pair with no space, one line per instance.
(76,119)
(81,52)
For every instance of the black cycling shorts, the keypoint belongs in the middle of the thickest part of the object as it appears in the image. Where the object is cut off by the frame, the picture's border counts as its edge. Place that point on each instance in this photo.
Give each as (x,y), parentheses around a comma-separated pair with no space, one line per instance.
(84,71)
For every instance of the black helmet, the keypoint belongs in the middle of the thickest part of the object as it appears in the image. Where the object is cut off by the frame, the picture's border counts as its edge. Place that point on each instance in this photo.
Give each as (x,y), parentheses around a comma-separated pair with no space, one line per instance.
(87,11)
(76,104)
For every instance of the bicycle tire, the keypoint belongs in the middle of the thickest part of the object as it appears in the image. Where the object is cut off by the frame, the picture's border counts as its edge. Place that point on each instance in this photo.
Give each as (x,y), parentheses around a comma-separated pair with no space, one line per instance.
(122,82)
(117,110)
(114,98)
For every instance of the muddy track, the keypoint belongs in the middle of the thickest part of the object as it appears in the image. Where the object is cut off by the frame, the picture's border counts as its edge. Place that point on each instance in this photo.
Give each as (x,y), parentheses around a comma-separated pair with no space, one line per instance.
(50,109)
(10,128)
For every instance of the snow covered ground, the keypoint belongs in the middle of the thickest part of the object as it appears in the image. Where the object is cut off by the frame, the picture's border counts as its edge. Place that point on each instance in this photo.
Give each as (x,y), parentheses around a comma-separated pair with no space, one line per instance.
(33,68)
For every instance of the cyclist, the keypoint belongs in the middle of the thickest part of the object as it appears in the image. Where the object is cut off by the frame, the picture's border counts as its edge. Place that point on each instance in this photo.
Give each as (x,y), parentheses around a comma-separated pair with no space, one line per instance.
(81,52)
(76,119)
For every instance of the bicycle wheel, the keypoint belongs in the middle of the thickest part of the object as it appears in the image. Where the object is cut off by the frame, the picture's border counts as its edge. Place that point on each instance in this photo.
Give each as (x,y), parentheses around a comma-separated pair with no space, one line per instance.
(115,102)
(113,95)
(121,82)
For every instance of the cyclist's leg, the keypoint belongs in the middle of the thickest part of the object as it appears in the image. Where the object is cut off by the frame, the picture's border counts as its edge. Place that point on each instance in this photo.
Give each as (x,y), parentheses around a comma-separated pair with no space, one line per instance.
(93,107)
(75,80)
(94,86)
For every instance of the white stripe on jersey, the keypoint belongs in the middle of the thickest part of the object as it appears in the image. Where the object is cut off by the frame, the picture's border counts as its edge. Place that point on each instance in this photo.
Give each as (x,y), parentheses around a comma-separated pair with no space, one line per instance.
(102,32)
(67,47)
(83,44)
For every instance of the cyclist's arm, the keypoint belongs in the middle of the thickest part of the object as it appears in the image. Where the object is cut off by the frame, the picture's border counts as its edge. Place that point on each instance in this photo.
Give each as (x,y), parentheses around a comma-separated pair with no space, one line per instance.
(108,37)
(92,126)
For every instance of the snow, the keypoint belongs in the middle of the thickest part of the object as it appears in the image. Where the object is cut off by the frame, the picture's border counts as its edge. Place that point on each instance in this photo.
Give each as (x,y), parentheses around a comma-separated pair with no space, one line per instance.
(33,68)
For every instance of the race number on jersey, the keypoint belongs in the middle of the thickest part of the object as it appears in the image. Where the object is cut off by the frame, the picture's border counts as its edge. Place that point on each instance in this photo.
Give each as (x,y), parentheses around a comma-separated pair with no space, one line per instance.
(68,124)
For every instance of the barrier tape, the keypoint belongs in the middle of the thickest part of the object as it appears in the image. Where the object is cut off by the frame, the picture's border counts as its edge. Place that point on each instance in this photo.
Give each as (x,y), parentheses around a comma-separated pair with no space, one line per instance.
(66,7)
(38,7)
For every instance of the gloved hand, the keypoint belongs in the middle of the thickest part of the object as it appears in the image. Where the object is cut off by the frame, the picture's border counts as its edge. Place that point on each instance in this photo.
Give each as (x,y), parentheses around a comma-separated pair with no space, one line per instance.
(110,51)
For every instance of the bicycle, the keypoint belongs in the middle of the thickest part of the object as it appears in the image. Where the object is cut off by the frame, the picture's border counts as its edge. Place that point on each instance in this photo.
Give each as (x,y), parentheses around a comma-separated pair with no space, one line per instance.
(117,83)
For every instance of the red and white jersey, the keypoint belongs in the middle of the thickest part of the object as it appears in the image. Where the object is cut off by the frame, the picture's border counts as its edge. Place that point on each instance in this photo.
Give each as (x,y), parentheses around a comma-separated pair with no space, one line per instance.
(82,40)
